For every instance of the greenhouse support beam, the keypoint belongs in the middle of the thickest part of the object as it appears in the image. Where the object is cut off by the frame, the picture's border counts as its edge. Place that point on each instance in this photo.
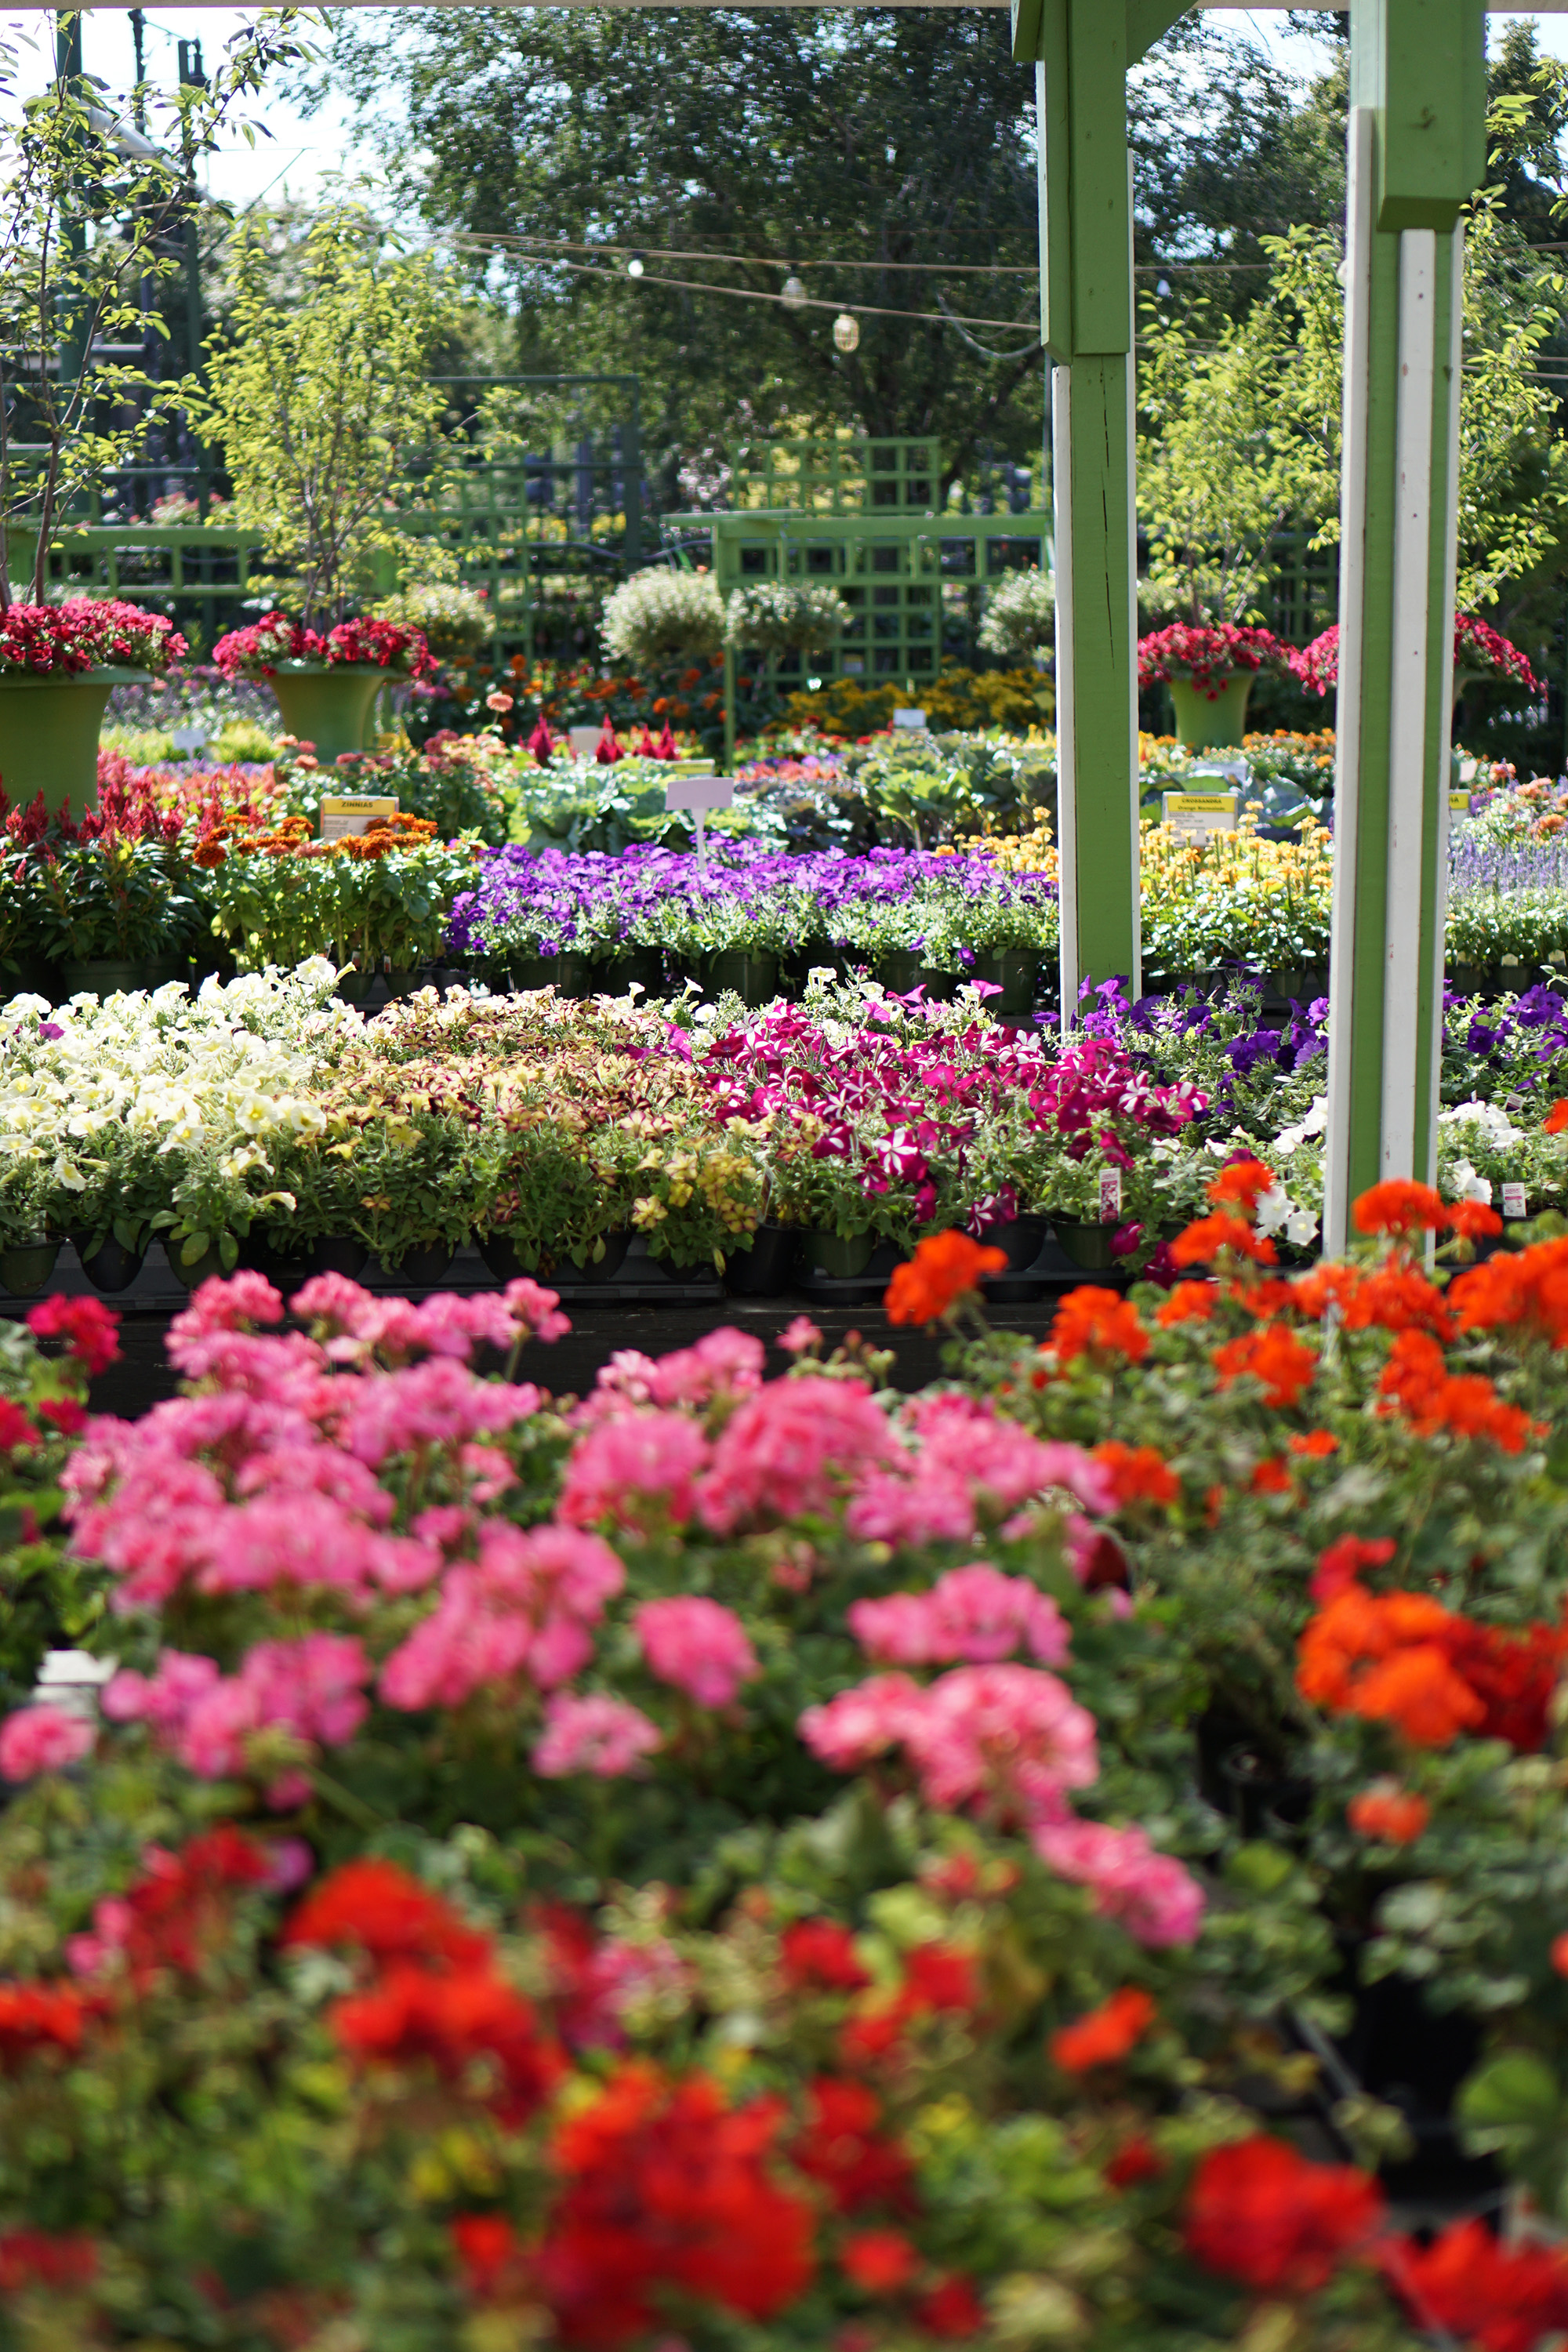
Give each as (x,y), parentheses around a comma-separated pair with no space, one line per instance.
(1416,151)
(1082,50)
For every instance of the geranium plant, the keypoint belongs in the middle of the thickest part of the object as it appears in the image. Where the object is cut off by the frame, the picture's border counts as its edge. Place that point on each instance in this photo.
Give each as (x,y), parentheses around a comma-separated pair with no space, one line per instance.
(1207,655)
(275,641)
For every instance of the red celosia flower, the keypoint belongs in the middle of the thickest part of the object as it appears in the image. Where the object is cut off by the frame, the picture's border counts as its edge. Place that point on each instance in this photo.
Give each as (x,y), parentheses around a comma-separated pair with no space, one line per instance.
(841,2148)
(945,1268)
(453,2021)
(387,1913)
(1259,2213)
(1201,1243)
(34,2258)
(951,2310)
(1502,2298)
(89,1329)
(1106,2034)
(880,2261)
(667,2187)
(1140,1474)
(1189,1302)
(819,1956)
(1137,2160)
(1090,1321)
(1394,1815)
(1340,1563)
(1284,1364)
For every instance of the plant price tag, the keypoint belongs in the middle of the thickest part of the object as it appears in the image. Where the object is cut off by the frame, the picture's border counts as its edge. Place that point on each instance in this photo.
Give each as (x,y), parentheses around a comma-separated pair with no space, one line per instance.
(1195,815)
(1458,803)
(915,719)
(1110,1196)
(345,813)
(1515,1201)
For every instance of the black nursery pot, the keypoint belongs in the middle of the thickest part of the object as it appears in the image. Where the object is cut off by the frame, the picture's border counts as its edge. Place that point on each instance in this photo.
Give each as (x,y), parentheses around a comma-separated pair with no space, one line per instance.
(421,1269)
(1022,1238)
(764,1270)
(110,1268)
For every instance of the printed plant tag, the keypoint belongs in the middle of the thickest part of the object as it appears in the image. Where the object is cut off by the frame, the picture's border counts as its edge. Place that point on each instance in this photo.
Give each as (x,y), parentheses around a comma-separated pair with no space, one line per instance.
(1110,1196)
(1513,1201)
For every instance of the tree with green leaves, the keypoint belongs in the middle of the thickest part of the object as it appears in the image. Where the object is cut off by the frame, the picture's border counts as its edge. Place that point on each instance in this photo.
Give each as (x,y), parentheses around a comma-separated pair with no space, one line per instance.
(323,404)
(92,214)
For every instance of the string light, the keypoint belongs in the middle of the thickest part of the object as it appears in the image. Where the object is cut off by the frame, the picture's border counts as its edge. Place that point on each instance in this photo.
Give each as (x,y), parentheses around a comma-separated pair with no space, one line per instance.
(633,267)
(847,333)
(794,294)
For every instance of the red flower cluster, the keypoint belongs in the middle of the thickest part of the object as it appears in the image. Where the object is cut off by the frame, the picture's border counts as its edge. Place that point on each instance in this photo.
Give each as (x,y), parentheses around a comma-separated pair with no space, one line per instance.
(1272,1356)
(257,651)
(1140,1474)
(436,1996)
(1417,1381)
(1518,1289)
(380,644)
(1403,1658)
(1094,1322)
(945,1268)
(35,2017)
(936,1978)
(83,632)
(1502,2298)
(89,1330)
(179,1914)
(1477,646)
(1207,656)
(1259,2213)
(819,1956)
(842,2149)
(34,2258)
(669,2188)
(1106,2034)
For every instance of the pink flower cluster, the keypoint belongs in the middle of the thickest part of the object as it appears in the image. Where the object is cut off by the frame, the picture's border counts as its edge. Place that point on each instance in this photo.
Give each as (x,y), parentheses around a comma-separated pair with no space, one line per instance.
(82,631)
(41,1738)
(597,1734)
(961,1465)
(697,1646)
(1209,655)
(1156,1900)
(313,1688)
(1477,646)
(528,1605)
(976,1613)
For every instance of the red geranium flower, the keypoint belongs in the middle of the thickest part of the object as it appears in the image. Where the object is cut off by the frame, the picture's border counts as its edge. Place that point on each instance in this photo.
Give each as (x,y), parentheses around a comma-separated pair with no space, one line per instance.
(1259,2213)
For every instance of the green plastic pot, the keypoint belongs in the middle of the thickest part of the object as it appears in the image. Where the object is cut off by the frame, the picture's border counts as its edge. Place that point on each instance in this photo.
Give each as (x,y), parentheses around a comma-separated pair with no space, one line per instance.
(328,704)
(1088,1247)
(1016,972)
(753,978)
(198,1270)
(1205,724)
(831,1253)
(26,1267)
(49,734)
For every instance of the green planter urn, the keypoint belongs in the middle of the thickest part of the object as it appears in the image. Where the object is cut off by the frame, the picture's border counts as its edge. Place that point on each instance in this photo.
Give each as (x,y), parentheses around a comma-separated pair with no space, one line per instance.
(1216,724)
(49,734)
(328,703)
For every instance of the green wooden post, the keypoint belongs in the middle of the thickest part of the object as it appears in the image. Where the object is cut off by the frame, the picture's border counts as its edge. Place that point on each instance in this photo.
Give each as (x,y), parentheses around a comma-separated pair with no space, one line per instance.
(1082,50)
(1417,152)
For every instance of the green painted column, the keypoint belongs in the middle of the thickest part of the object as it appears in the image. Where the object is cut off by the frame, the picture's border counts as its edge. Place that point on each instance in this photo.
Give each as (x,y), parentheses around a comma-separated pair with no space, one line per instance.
(1416,151)
(1082,50)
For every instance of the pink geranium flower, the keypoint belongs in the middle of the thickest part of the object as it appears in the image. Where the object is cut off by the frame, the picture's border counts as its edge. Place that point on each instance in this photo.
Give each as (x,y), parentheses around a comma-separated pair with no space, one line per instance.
(601,1736)
(41,1739)
(697,1646)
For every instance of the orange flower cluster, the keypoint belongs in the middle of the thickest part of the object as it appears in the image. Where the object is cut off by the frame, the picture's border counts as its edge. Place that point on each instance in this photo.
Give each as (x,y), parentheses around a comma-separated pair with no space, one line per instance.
(1140,1474)
(1201,1243)
(1094,1322)
(1417,1381)
(1519,1290)
(1188,1302)
(291,837)
(945,1268)
(1393,1815)
(1106,2034)
(1284,1364)
(1403,1658)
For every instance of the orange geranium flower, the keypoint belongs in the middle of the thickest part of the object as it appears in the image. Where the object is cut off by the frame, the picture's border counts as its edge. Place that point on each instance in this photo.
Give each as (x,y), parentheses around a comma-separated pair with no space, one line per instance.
(945,1268)
(1334,1283)
(1201,1243)
(1399,1206)
(1090,1321)
(1527,1286)
(1105,2034)
(1397,1299)
(1284,1364)
(1272,1476)
(1416,1378)
(1383,1657)
(1319,1442)
(1140,1474)
(1474,1219)
(1189,1302)
(1556,1119)
(1384,1810)
(1241,1185)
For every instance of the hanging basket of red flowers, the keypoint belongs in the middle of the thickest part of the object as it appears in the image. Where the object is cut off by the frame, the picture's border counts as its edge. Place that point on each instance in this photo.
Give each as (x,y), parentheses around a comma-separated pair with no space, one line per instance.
(1209,669)
(58,664)
(1479,652)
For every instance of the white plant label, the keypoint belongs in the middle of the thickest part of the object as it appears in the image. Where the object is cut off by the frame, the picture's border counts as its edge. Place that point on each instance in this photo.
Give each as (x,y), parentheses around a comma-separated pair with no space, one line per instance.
(1110,1196)
(1514,1201)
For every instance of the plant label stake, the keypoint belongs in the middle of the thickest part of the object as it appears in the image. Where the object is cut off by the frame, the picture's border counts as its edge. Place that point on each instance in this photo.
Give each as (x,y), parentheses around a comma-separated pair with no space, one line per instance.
(915,720)
(697,793)
(1195,815)
(346,813)
(1110,1196)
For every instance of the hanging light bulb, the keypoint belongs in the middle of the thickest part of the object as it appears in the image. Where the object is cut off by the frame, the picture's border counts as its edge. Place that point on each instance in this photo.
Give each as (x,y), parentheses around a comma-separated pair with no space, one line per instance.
(794,294)
(633,267)
(847,333)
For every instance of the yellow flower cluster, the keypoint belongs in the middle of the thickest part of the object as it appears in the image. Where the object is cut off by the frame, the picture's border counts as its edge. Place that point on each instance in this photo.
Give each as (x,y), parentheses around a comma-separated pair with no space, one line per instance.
(1175,866)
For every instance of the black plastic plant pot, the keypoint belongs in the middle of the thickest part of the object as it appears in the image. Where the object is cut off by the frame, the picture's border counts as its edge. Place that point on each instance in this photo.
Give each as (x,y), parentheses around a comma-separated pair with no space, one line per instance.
(1023,1239)
(604,1269)
(753,978)
(900,971)
(421,1269)
(940,987)
(26,1267)
(406,983)
(1016,972)
(342,1254)
(529,972)
(108,976)
(352,987)
(832,1253)
(1088,1247)
(500,1257)
(112,1267)
(198,1270)
(643,966)
(765,1270)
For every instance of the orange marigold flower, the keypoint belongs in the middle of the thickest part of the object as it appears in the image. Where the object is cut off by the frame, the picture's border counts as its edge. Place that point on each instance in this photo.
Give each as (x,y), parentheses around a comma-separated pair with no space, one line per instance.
(1393,1815)
(1105,2034)
(945,1268)
(1139,1472)
(1399,1206)
(1092,1321)
(1556,1119)
(1241,1185)
(1283,1363)
(1318,1442)
(1201,1243)
(1272,1476)
(1188,1302)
